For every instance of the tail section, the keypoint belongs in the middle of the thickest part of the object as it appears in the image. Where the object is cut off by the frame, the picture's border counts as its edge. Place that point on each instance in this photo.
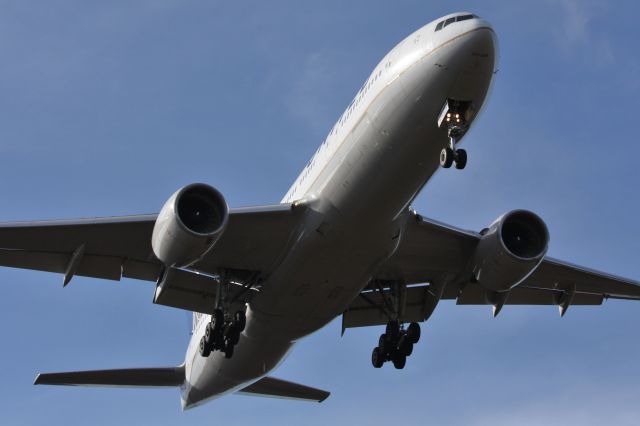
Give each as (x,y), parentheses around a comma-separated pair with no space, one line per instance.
(129,377)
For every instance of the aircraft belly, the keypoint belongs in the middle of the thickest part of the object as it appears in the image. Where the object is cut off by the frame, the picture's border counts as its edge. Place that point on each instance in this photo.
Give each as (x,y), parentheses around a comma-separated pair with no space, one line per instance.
(318,280)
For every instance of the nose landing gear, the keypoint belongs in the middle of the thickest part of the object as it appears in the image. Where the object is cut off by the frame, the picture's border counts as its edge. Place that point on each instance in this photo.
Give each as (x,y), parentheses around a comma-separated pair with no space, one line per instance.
(450,154)
(454,118)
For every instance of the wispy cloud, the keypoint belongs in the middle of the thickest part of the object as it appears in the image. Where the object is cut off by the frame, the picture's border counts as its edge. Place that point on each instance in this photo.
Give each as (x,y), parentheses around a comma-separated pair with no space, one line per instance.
(575,32)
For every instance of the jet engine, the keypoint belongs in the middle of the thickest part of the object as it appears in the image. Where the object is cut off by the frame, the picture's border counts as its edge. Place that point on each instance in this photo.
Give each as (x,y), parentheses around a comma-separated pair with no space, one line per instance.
(510,250)
(189,224)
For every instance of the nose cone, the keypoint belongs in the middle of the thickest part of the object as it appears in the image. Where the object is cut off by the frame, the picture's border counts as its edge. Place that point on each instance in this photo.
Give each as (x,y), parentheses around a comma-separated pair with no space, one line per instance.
(471,56)
(483,50)
(475,45)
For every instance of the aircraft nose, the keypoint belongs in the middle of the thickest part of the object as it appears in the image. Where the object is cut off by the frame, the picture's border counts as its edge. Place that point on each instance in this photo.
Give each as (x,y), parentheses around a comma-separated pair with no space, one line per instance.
(478,46)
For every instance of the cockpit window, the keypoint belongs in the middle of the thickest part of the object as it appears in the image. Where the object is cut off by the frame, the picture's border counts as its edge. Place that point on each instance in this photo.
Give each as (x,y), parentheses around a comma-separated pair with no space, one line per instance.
(458,18)
(464,18)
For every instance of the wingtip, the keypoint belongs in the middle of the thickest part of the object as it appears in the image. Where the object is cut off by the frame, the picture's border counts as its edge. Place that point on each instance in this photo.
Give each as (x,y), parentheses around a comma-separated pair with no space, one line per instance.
(325,397)
(37,380)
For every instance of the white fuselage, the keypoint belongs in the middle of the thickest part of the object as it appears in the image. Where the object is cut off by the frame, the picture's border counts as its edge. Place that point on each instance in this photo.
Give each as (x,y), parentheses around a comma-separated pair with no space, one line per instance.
(357,187)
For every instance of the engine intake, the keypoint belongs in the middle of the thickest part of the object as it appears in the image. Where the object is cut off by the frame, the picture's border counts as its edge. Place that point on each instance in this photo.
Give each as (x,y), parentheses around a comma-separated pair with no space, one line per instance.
(524,234)
(189,224)
(510,250)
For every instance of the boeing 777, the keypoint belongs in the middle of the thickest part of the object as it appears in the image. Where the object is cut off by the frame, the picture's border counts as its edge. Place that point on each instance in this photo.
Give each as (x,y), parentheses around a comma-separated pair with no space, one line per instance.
(344,240)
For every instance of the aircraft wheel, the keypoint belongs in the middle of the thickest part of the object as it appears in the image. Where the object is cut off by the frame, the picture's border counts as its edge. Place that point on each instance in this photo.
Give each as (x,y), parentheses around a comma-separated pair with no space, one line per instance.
(205,349)
(399,361)
(461,159)
(413,332)
(405,346)
(377,358)
(232,334)
(217,320)
(209,335)
(446,157)
(383,344)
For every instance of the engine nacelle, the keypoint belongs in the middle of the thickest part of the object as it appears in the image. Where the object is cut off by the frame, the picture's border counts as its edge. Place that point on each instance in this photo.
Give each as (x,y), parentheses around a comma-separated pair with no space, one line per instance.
(189,224)
(510,250)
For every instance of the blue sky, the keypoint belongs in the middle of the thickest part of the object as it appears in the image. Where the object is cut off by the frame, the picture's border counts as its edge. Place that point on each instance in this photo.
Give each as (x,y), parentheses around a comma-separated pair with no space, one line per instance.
(106,108)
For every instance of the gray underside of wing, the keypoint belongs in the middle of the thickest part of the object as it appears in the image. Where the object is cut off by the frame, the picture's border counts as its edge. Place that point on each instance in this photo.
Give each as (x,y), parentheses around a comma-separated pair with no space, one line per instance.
(278,388)
(428,250)
(112,247)
(558,275)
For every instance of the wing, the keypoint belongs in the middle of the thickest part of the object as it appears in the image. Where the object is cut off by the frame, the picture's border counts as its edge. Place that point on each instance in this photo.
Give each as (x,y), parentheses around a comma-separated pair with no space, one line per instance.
(430,250)
(116,247)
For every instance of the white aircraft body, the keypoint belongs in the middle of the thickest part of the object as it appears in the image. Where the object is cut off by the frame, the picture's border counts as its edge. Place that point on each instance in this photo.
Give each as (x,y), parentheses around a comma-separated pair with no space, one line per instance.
(343,241)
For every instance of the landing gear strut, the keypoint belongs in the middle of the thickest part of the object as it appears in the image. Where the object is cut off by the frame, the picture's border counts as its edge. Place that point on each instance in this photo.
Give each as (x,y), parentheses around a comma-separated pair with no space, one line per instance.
(222,333)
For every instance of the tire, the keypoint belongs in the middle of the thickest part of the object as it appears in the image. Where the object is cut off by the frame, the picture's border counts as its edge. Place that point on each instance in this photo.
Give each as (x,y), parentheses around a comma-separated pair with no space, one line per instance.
(399,361)
(377,359)
(240,320)
(209,335)
(383,344)
(461,160)
(413,332)
(446,157)
(217,320)
(405,347)
(205,350)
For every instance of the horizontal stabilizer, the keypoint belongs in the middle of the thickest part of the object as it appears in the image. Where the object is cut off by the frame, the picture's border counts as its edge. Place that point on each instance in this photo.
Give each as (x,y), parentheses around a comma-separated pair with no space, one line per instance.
(278,388)
(129,377)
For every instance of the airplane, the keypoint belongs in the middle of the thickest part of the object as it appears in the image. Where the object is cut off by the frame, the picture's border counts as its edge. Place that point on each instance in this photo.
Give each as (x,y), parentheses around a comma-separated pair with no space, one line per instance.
(344,240)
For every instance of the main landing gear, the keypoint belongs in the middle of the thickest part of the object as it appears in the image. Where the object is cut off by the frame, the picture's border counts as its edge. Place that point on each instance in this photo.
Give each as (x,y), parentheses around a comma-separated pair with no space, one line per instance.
(396,344)
(222,333)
